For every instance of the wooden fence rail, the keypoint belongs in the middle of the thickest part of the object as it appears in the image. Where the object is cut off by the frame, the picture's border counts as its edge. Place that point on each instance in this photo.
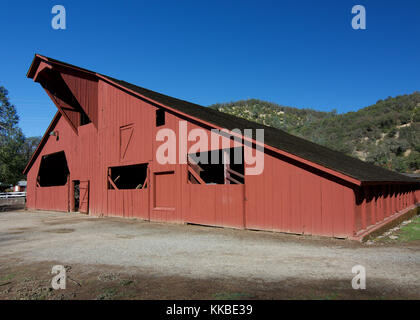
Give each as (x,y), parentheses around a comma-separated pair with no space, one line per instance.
(7,195)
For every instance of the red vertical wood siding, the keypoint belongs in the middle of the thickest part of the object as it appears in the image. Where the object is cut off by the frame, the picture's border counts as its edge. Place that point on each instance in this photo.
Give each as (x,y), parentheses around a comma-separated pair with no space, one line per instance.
(288,196)
(291,199)
(217,205)
(52,198)
(85,90)
(374,204)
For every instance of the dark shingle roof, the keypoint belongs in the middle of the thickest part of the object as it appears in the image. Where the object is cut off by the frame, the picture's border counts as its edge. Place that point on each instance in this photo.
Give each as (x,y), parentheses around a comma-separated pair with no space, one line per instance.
(276,138)
(279,139)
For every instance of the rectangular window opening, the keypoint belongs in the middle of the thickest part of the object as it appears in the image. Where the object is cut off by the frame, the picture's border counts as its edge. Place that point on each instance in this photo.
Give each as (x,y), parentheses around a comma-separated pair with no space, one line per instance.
(160,117)
(128,177)
(216,170)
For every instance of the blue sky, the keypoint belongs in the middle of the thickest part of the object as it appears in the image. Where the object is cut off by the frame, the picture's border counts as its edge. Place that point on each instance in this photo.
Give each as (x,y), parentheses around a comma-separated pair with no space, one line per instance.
(296,53)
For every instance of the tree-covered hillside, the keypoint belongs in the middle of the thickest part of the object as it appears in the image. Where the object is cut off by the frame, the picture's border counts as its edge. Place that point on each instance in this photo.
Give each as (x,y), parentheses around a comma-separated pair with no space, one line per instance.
(386,133)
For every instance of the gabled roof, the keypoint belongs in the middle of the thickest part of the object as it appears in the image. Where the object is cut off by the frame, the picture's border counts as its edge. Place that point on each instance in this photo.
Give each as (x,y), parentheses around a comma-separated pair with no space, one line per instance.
(274,138)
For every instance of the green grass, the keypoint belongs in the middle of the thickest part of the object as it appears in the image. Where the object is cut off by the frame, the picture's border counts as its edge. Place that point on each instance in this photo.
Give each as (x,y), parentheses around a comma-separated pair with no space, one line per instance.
(407,233)
(126,282)
(410,232)
(108,294)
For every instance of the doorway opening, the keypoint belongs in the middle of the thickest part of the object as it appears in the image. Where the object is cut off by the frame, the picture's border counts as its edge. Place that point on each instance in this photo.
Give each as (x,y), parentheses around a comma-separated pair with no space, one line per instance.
(76,194)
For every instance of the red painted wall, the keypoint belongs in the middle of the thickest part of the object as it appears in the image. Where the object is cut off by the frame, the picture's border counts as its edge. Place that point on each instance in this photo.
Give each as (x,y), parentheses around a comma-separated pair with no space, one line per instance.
(292,199)
(288,196)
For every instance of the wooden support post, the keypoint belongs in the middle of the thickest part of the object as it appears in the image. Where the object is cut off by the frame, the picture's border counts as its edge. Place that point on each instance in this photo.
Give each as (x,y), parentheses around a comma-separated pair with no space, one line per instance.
(233,180)
(196,175)
(226,166)
(236,173)
(145,180)
(110,180)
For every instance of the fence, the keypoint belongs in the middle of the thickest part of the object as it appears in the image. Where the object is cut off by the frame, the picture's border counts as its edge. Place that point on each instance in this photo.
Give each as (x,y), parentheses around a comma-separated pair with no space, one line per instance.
(12,201)
(10,195)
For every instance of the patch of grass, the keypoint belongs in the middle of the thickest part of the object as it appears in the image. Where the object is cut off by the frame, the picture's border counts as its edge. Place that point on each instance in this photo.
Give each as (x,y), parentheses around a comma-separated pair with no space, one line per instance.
(410,232)
(231,296)
(108,294)
(126,282)
(407,233)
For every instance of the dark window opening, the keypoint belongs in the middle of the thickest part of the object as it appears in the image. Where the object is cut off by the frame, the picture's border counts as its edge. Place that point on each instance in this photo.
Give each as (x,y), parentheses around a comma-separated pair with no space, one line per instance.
(127,177)
(84,119)
(53,170)
(202,171)
(76,191)
(160,117)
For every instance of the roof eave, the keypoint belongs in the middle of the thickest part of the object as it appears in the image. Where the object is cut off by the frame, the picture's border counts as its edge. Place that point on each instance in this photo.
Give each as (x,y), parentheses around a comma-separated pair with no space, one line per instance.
(375,183)
(34,65)
(282,152)
(32,71)
(42,142)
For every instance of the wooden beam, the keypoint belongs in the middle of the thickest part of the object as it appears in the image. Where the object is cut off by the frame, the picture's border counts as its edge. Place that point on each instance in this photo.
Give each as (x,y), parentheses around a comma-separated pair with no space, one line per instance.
(128,142)
(233,180)
(193,180)
(196,167)
(194,164)
(145,181)
(41,68)
(236,173)
(226,167)
(60,108)
(112,183)
(196,175)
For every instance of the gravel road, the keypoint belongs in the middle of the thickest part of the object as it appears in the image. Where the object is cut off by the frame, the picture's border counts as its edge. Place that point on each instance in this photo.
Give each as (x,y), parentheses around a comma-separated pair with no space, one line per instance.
(204,253)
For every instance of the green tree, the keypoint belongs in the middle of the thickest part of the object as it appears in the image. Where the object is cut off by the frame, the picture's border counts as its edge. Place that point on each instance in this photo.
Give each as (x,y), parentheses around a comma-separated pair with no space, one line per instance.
(12,141)
(29,147)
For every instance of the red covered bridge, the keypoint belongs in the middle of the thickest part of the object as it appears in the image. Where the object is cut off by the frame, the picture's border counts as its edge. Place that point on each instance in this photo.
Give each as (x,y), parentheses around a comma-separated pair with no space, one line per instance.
(98,156)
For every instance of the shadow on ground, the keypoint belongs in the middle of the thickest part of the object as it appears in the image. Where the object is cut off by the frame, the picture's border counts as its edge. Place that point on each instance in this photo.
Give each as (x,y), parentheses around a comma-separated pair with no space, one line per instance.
(33,282)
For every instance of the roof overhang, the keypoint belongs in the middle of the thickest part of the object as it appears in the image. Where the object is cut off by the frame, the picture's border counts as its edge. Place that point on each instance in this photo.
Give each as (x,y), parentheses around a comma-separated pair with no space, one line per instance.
(41,144)
(41,63)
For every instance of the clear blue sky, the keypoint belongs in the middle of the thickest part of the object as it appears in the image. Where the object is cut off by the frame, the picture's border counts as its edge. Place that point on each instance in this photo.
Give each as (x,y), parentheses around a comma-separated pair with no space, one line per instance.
(296,53)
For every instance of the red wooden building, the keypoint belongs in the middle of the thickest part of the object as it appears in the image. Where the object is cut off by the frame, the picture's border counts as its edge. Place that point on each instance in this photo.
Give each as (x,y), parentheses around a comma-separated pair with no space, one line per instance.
(98,156)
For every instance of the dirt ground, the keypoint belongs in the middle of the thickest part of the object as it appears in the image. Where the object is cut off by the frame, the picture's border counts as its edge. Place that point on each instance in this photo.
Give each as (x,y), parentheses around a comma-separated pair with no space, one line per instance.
(113,258)
(12,204)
